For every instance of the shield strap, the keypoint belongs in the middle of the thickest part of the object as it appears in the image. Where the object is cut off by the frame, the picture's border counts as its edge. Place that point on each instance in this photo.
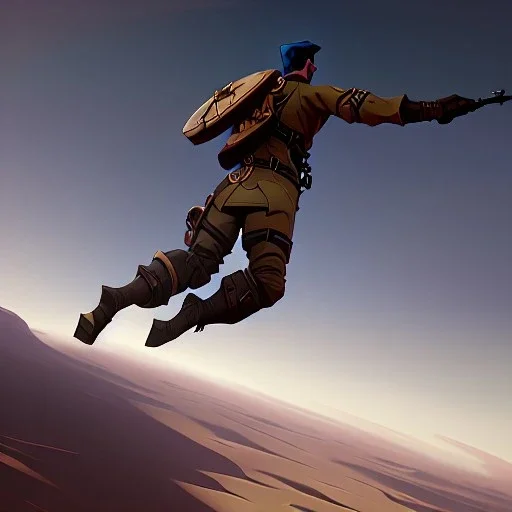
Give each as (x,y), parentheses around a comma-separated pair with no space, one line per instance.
(288,136)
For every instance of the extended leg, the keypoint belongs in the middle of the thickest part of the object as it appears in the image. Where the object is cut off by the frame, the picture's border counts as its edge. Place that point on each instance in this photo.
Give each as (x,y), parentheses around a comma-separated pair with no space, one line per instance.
(243,293)
(167,275)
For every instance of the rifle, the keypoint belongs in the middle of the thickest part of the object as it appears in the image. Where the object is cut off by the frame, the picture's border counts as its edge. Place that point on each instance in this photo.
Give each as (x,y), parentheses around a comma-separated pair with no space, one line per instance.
(497,97)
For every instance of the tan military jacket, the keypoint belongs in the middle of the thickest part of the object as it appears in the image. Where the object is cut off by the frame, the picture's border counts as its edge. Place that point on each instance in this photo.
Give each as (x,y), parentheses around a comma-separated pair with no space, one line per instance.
(306,108)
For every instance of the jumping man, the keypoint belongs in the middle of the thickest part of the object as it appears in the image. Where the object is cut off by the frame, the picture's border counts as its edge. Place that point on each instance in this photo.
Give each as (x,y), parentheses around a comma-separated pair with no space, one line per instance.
(260,198)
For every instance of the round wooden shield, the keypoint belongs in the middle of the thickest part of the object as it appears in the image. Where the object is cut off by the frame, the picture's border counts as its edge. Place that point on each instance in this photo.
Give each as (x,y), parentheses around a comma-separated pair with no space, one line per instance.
(228,105)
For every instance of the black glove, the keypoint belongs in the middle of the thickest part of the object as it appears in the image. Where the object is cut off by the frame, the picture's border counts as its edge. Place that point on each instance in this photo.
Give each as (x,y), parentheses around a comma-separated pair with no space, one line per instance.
(454,106)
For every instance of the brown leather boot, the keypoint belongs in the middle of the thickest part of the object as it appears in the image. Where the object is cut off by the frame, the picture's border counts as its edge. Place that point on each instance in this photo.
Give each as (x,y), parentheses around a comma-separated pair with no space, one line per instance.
(151,288)
(236,299)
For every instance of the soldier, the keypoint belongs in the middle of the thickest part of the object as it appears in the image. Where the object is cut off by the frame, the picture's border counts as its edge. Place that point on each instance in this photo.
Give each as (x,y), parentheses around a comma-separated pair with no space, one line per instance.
(261,199)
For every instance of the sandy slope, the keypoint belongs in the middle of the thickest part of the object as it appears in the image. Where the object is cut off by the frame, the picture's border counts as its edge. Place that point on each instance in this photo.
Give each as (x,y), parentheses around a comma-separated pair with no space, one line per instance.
(89,431)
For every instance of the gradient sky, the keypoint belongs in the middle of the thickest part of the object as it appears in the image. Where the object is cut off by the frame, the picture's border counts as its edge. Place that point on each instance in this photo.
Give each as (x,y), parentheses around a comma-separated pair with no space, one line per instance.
(399,293)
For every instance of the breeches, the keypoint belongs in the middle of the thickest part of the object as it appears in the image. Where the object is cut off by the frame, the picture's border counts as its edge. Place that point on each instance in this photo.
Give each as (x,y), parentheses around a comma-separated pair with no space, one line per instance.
(266,219)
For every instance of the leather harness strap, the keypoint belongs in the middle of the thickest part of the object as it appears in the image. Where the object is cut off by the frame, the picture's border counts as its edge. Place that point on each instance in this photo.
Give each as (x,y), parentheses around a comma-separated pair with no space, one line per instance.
(252,238)
(295,143)
(287,135)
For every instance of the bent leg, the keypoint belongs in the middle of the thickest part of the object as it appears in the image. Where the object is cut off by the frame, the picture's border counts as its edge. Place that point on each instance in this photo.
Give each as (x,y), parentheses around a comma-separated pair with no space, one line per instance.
(216,235)
(267,241)
(169,273)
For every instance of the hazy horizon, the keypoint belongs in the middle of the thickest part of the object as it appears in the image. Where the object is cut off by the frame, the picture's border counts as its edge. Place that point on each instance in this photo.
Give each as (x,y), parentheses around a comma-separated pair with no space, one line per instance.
(432,445)
(399,290)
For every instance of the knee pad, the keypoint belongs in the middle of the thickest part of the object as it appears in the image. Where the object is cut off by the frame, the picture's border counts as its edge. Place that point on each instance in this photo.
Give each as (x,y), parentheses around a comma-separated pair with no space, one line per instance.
(269,252)
(173,272)
(271,287)
(268,269)
(189,269)
(167,275)
(202,264)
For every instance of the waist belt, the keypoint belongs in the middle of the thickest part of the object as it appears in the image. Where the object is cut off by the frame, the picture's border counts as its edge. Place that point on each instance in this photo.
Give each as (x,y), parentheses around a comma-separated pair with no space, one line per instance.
(274,164)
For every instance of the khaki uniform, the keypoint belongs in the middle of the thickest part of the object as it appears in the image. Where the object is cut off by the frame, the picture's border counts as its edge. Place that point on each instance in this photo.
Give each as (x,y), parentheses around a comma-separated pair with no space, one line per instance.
(254,198)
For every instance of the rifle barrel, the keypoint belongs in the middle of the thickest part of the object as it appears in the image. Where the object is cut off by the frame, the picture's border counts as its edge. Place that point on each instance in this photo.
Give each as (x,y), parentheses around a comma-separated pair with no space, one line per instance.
(493,99)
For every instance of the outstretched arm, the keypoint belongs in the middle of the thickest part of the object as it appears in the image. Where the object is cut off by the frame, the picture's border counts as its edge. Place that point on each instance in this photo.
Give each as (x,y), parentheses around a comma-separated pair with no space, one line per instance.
(443,110)
(361,106)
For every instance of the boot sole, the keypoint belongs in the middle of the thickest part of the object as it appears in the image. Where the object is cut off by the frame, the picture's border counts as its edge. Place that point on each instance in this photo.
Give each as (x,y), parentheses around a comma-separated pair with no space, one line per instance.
(156,337)
(158,334)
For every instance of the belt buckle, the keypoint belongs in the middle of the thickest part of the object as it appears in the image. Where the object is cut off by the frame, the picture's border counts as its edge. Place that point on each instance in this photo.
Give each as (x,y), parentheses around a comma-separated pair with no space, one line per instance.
(241,174)
(234,176)
(274,163)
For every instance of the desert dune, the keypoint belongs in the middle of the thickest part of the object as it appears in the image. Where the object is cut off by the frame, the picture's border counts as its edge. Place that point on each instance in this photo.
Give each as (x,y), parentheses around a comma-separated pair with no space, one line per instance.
(84,430)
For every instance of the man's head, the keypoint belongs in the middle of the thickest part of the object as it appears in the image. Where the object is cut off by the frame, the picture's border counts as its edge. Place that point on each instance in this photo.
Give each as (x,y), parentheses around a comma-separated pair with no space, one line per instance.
(299,59)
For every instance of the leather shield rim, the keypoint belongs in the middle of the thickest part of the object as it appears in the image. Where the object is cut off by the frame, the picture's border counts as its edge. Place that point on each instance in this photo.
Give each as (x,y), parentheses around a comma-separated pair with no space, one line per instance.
(200,134)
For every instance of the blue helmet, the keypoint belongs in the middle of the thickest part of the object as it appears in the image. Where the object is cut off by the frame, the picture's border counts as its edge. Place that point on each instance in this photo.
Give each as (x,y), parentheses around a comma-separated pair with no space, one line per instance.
(295,55)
